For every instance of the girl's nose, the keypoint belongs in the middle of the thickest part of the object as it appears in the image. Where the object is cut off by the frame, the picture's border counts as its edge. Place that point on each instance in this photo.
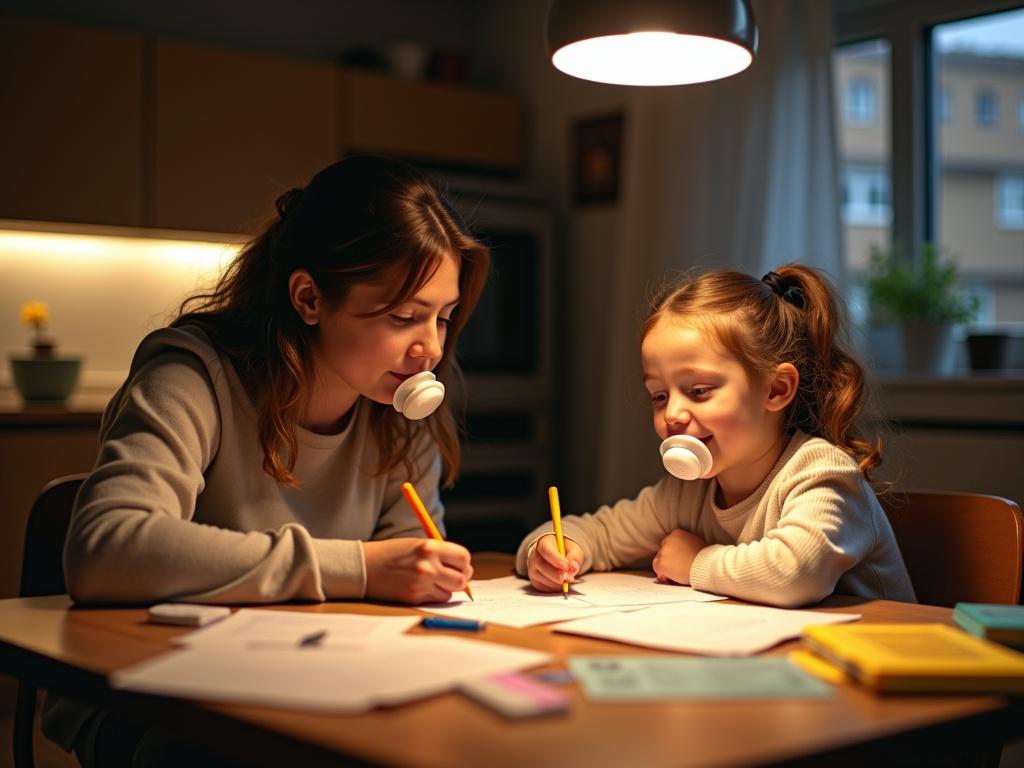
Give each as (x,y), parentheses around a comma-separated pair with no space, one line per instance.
(677,413)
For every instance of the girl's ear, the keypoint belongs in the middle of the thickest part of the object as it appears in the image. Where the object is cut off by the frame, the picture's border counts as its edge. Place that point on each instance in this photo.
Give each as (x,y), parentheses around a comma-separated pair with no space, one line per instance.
(305,296)
(783,387)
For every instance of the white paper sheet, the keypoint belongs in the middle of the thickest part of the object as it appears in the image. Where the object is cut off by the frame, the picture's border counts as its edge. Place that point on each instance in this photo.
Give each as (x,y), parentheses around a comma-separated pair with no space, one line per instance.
(706,628)
(627,589)
(253,627)
(401,669)
(512,602)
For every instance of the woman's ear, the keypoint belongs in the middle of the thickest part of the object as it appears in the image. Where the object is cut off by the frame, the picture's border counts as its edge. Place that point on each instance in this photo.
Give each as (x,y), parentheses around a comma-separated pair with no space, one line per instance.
(305,296)
(783,387)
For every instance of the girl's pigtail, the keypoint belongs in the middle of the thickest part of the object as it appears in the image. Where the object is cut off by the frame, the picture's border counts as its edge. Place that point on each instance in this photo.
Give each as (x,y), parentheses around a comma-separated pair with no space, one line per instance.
(834,391)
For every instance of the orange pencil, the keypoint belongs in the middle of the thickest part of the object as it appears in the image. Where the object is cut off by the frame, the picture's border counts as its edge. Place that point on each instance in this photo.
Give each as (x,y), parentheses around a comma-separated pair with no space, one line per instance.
(425,520)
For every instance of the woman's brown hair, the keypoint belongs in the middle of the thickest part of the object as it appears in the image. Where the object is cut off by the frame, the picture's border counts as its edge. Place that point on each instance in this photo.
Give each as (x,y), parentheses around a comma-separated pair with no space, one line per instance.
(363,219)
(792,315)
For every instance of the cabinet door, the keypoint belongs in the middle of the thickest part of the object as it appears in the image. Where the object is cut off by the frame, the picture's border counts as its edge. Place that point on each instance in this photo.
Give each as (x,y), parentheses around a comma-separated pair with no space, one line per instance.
(70,123)
(231,131)
(431,122)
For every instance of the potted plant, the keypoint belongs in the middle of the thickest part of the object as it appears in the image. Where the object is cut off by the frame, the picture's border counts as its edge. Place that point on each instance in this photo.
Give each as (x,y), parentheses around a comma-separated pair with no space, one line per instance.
(43,376)
(924,299)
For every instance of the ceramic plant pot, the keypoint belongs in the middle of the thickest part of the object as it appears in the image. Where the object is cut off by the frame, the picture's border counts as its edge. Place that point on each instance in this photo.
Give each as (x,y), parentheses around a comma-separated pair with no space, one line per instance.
(45,379)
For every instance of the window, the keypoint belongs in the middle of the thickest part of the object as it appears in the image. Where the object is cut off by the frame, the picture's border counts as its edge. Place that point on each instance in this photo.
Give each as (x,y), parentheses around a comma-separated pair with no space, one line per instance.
(978,209)
(863,68)
(1010,201)
(865,195)
(948,182)
(860,102)
(945,105)
(986,108)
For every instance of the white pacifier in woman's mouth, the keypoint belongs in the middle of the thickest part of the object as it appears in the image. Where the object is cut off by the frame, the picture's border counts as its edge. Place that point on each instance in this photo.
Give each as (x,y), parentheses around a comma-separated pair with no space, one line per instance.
(685,457)
(419,396)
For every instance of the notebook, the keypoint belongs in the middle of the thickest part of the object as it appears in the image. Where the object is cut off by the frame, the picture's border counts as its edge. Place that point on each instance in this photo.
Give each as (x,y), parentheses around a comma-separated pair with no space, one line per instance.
(909,658)
(993,621)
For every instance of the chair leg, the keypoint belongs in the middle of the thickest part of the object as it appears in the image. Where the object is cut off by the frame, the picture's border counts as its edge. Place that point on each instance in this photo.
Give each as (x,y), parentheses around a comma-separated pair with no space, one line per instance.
(24,725)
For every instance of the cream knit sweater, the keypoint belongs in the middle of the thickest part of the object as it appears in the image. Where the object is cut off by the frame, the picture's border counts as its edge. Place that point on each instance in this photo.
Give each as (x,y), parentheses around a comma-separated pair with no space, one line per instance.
(813,527)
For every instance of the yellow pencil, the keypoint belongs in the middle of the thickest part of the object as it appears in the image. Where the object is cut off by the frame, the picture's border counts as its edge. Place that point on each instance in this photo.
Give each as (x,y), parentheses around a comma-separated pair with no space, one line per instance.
(556,518)
(425,520)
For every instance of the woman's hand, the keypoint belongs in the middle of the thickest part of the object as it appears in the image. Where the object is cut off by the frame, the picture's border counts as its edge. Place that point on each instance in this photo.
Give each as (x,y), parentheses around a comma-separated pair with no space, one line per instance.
(675,556)
(548,569)
(415,570)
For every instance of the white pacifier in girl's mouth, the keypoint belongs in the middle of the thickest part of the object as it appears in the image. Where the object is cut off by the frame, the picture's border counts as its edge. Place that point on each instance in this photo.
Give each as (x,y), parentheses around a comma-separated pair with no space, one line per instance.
(418,396)
(685,457)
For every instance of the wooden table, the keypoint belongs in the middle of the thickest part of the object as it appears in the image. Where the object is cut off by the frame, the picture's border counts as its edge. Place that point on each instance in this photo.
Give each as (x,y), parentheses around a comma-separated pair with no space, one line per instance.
(46,641)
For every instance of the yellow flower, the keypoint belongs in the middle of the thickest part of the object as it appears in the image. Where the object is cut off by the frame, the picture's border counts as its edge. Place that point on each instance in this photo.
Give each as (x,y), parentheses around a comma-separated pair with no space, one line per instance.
(35,313)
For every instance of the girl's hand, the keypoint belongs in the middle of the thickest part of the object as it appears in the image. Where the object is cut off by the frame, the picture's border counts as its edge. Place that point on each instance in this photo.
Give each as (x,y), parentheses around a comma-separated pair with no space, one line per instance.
(415,570)
(675,556)
(548,569)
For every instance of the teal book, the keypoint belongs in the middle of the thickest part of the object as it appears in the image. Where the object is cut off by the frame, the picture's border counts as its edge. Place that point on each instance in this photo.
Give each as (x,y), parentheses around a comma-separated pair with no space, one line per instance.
(992,621)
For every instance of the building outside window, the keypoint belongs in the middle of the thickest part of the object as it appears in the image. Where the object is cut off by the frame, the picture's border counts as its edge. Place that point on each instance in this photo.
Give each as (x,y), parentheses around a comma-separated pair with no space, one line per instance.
(974,208)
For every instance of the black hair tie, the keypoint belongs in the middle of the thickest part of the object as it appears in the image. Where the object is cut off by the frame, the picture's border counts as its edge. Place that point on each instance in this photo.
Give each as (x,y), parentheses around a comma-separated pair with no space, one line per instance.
(786,288)
(287,201)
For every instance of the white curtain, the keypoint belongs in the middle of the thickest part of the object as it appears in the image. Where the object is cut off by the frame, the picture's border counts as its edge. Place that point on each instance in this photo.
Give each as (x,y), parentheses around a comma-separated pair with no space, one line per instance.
(738,173)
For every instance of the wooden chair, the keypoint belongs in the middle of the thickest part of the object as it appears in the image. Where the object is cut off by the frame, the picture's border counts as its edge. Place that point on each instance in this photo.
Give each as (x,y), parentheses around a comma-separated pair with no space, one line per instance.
(959,547)
(42,573)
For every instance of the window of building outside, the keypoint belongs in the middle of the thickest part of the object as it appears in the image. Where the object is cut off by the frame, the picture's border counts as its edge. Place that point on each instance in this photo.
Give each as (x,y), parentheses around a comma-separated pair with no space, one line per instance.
(979,159)
(861,102)
(986,108)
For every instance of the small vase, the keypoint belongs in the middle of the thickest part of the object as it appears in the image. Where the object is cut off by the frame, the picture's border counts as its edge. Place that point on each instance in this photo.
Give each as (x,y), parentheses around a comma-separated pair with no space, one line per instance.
(49,380)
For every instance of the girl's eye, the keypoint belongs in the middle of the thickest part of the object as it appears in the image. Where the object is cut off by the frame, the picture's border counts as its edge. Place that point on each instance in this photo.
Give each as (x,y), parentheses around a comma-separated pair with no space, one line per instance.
(700,392)
(401,319)
(658,398)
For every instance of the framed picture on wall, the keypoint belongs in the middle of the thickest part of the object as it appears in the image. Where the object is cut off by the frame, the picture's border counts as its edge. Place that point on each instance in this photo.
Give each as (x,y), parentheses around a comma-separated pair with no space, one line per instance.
(596,158)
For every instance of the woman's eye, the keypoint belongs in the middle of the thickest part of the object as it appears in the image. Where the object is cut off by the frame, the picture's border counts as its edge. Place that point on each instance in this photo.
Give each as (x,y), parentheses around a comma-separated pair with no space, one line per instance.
(402,319)
(444,321)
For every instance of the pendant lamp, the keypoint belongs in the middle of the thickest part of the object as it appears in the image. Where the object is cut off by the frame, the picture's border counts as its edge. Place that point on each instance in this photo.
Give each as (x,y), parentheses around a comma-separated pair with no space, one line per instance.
(651,42)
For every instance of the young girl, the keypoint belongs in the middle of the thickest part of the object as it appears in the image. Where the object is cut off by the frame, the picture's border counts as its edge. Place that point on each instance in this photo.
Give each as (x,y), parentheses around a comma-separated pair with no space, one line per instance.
(754,370)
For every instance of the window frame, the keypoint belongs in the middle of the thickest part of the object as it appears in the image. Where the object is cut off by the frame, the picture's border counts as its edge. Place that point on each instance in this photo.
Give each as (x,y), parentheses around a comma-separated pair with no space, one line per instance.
(907,26)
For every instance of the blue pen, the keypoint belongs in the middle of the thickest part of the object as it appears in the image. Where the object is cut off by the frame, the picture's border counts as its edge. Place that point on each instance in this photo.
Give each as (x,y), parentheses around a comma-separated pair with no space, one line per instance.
(441,622)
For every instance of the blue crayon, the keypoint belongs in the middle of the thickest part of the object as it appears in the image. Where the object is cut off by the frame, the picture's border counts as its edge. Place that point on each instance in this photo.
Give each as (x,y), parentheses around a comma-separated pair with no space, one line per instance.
(441,622)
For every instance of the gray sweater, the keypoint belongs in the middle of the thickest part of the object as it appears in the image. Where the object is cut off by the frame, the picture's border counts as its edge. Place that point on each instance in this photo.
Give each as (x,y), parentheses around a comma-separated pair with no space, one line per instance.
(813,527)
(179,508)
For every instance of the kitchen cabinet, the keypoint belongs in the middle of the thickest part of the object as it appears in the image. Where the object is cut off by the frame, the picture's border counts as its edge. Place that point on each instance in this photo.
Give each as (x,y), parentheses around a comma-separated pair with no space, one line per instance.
(431,122)
(231,131)
(71,139)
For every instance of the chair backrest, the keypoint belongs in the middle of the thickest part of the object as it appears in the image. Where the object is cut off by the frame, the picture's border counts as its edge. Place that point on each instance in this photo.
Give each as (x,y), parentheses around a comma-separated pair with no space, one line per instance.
(42,569)
(959,547)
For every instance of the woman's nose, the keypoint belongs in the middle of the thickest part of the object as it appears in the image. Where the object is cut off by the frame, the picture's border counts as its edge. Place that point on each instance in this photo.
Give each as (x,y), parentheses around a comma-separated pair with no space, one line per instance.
(428,346)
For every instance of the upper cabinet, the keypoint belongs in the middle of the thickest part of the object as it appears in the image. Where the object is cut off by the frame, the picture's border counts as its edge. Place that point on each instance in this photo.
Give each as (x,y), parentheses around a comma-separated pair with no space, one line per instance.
(100,127)
(431,122)
(231,131)
(70,124)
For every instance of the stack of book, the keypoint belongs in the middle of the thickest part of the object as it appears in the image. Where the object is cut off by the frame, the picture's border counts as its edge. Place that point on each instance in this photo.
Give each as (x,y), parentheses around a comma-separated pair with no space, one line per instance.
(998,623)
(912,658)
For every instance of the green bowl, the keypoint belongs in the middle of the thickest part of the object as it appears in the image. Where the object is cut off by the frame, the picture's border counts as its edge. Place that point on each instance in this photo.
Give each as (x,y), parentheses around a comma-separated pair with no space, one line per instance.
(47,379)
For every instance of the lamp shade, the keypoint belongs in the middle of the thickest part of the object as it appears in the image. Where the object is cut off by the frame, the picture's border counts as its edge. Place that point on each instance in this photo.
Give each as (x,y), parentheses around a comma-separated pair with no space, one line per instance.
(651,42)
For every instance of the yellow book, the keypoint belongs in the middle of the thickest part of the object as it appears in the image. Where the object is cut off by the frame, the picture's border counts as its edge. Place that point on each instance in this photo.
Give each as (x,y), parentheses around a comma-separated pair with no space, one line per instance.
(911,658)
